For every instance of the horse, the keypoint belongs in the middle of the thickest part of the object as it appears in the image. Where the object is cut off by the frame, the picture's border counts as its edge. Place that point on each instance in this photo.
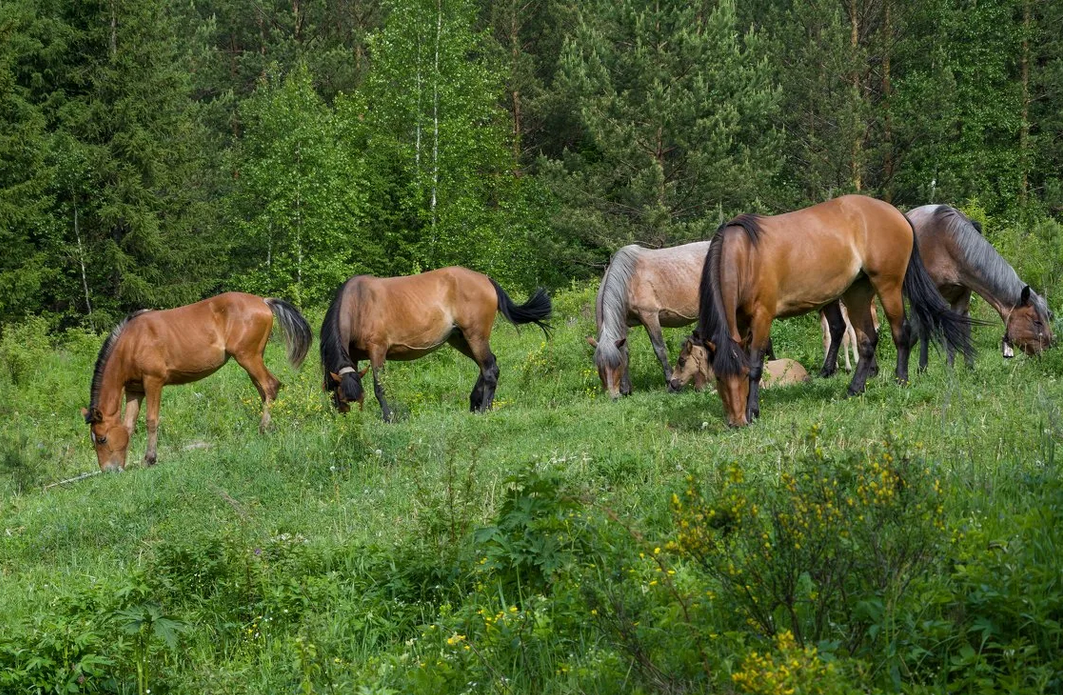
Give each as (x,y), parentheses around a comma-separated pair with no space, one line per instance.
(151,349)
(652,287)
(848,340)
(693,363)
(404,318)
(852,247)
(960,261)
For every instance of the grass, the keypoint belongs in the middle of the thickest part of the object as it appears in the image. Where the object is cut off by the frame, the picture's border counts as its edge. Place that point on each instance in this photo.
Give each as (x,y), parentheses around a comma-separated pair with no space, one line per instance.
(365,534)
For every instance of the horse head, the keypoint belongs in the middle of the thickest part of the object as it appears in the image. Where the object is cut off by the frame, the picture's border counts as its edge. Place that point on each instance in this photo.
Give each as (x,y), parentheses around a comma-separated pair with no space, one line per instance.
(732,384)
(612,359)
(110,439)
(1028,325)
(693,363)
(346,387)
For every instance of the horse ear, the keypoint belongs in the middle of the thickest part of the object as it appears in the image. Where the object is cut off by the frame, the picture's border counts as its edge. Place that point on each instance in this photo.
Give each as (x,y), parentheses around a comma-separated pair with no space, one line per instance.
(592,341)
(335,377)
(362,373)
(710,345)
(620,342)
(1026,293)
(85,415)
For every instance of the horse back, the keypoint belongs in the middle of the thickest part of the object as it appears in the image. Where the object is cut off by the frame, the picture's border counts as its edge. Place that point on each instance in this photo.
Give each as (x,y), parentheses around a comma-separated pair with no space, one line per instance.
(413,315)
(666,282)
(187,343)
(809,257)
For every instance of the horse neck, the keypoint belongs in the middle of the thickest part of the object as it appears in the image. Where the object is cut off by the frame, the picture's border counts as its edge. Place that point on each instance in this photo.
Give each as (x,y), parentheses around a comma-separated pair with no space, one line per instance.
(988,274)
(112,383)
(612,301)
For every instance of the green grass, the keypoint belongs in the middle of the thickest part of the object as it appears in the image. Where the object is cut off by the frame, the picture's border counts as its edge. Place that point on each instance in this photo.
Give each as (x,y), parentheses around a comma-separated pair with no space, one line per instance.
(383,549)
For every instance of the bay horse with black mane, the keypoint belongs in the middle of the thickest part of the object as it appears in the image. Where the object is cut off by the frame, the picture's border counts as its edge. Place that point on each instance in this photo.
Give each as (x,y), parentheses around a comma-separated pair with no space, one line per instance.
(404,318)
(852,248)
(150,349)
(961,261)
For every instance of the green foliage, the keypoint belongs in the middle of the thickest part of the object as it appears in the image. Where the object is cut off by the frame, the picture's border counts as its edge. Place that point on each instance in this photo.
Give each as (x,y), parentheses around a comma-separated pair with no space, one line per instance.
(666,151)
(301,198)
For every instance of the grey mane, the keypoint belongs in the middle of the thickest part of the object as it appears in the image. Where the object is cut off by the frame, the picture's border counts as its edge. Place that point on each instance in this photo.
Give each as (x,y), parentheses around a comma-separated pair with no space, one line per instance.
(611,305)
(999,277)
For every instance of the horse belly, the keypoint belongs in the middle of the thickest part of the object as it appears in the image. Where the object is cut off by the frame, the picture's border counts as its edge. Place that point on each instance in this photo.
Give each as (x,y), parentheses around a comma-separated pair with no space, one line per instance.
(191,375)
(808,293)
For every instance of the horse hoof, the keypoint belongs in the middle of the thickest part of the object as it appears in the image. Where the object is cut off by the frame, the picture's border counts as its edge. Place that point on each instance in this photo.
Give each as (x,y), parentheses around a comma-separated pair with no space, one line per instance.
(149,461)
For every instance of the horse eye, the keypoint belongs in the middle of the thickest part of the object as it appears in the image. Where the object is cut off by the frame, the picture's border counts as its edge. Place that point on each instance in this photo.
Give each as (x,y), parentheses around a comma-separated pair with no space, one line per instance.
(101,440)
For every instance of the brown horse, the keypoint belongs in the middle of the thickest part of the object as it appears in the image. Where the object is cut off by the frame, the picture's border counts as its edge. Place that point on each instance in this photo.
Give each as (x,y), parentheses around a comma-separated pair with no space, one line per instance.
(151,349)
(852,247)
(960,261)
(379,319)
(693,363)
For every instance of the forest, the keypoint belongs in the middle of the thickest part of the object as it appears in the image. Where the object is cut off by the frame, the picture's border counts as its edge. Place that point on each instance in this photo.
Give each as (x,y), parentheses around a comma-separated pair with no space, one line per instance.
(153,153)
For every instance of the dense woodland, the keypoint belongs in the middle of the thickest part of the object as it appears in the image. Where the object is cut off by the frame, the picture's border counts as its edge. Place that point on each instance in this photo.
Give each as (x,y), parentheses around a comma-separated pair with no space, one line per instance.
(154,152)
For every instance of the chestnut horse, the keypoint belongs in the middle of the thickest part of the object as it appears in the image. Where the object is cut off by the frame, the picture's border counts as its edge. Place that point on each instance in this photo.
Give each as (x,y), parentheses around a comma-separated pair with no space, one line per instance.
(379,319)
(852,247)
(693,363)
(150,349)
(960,261)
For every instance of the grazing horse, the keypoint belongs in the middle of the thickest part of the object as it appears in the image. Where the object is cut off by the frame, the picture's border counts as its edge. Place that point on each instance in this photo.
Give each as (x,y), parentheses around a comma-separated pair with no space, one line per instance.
(150,349)
(960,261)
(653,287)
(379,319)
(852,247)
(693,363)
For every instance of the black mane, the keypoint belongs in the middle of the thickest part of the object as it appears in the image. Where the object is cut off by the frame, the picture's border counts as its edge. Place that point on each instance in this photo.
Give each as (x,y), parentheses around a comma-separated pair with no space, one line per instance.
(105,353)
(727,358)
(750,223)
(333,349)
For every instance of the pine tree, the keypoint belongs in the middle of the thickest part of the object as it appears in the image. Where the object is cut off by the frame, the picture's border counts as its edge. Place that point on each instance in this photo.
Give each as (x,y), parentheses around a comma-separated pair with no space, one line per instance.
(676,108)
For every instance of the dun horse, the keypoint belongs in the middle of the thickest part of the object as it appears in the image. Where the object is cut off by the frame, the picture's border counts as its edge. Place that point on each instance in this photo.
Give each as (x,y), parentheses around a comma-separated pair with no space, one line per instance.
(379,319)
(653,287)
(693,363)
(960,261)
(852,247)
(151,349)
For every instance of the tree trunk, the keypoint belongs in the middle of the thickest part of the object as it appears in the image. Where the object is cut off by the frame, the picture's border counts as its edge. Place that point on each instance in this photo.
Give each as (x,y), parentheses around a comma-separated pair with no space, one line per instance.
(81,260)
(856,148)
(1023,135)
(888,164)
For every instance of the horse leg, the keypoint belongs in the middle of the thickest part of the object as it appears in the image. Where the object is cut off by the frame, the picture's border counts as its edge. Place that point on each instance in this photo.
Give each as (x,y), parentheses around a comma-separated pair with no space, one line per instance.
(833,331)
(133,408)
(891,295)
(265,383)
(655,334)
(153,391)
(760,341)
(477,349)
(377,364)
(857,301)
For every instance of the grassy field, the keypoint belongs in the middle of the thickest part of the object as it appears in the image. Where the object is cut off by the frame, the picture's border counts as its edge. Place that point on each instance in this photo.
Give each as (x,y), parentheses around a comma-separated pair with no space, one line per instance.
(906,540)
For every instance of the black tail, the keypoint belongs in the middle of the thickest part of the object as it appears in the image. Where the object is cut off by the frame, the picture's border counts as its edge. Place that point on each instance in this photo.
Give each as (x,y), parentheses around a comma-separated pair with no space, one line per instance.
(294,326)
(934,315)
(538,307)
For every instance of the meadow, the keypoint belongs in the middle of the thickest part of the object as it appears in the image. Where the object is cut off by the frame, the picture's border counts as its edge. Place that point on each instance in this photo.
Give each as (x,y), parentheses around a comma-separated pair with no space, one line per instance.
(907,540)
